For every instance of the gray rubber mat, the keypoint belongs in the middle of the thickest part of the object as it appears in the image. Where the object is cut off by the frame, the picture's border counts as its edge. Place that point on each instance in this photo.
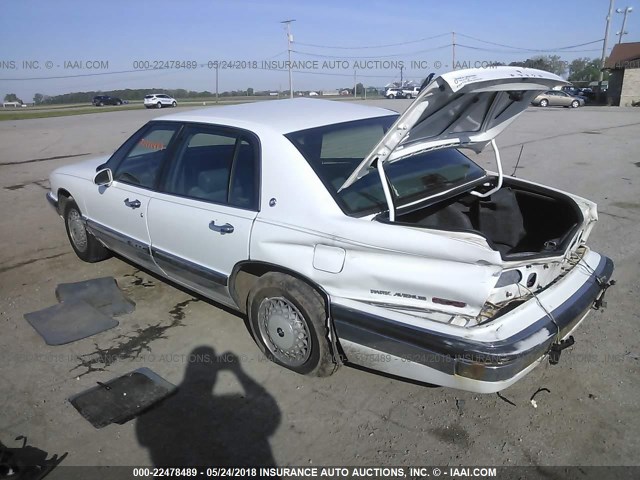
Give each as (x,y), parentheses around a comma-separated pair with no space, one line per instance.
(69,321)
(121,399)
(101,293)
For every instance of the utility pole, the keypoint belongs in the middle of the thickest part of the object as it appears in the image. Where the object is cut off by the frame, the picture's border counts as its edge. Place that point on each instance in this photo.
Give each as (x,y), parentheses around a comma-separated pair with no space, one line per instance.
(604,46)
(289,40)
(355,85)
(626,11)
(453,50)
(401,82)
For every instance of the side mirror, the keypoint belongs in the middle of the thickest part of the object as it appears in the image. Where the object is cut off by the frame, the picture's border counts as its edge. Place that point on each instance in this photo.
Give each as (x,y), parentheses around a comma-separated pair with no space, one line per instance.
(103,177)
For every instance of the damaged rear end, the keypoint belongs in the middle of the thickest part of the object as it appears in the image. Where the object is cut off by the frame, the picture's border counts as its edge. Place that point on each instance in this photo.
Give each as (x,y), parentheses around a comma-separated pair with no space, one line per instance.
(533,279)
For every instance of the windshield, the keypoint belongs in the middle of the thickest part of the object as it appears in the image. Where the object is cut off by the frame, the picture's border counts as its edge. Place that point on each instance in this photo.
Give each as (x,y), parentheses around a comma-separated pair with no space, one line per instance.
(335,151)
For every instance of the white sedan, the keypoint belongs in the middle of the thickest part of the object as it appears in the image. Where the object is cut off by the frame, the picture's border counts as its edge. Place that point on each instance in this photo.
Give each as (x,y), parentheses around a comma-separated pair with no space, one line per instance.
(349,234)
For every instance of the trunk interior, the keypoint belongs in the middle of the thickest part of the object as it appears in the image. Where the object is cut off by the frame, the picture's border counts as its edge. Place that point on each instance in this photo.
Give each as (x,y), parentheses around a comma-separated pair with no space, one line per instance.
(518,221)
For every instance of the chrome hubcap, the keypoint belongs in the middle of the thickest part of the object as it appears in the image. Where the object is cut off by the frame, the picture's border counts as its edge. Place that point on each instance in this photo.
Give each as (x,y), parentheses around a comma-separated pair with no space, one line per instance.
(284,331)
(77,231)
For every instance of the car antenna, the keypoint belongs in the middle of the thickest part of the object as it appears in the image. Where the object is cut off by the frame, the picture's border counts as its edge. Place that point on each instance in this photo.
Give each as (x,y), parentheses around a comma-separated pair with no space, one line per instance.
(518,162)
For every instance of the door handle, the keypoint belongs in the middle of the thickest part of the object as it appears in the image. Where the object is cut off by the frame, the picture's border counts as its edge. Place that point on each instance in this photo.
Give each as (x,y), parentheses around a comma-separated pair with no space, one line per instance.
(226,228)
(132,203)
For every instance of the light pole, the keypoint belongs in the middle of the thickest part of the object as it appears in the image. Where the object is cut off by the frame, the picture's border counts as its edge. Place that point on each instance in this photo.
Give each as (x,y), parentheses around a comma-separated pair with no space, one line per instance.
(216,82)
(604,45)
(626,11)
(289,40)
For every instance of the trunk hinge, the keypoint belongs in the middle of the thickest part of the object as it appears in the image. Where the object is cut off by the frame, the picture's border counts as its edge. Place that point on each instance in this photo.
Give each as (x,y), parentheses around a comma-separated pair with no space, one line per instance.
(499,162)
(387,191)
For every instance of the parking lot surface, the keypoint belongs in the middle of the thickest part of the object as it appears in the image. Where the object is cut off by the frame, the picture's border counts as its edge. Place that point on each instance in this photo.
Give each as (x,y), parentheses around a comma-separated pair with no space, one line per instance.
(240,408)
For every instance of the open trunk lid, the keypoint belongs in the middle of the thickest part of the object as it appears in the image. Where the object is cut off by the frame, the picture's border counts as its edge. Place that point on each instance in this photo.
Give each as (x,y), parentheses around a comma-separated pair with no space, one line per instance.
(463,108)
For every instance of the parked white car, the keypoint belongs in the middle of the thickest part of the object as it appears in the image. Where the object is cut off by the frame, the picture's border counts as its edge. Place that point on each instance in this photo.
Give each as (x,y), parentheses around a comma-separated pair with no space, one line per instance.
(394,93)
(350,234)
(411,92)
(159,100)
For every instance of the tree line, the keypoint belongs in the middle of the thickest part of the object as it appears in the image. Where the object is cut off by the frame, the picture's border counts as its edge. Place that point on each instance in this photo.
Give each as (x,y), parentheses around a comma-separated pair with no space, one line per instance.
(126,94)
(581,70)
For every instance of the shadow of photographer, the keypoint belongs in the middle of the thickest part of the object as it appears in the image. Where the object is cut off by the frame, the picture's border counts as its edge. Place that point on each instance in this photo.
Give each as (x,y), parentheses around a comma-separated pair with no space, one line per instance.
(194,427)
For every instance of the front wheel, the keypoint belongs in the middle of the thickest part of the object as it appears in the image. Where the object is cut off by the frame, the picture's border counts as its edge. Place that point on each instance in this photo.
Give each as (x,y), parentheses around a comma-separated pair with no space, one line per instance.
(158,105)
(174,104)
(575,104)
(288,322)
(544,103)
(86,246)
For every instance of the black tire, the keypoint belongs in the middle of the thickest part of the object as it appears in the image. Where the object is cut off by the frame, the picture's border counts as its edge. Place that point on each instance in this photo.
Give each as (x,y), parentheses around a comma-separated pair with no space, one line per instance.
(174,104)
(389,97)
(544,102)
(101,104)
(119,103)
(575,104)
(158,105)
(90,250)
(275,290)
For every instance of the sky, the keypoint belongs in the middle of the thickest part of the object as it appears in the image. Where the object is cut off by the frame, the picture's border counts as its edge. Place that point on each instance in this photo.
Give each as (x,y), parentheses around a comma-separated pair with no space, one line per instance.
(109,45)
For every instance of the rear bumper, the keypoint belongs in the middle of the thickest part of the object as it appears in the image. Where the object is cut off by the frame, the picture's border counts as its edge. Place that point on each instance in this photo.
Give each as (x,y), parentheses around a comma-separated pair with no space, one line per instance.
(460,361)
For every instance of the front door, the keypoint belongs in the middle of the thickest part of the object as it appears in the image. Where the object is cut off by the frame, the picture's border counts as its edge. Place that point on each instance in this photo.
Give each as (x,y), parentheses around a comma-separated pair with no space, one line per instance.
(117,213)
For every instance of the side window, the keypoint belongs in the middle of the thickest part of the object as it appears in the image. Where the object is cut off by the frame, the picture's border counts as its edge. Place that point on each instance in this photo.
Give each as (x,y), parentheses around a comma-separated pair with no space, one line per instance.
(202,165)
(244,177)
(141,165)
(215,166)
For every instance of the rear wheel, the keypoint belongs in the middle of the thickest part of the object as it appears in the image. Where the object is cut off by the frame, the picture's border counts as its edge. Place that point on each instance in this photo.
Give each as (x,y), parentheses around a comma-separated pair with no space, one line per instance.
(158,105)
(544,102)
(575,104)
(86,246)
(288,322)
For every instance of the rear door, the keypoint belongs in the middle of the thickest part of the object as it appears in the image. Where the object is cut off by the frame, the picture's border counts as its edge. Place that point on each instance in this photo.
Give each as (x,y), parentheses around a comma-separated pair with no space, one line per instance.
(200,222)
(558,99)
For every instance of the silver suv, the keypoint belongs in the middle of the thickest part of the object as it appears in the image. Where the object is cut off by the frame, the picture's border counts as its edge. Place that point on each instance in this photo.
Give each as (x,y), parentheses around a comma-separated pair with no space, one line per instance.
(394,93)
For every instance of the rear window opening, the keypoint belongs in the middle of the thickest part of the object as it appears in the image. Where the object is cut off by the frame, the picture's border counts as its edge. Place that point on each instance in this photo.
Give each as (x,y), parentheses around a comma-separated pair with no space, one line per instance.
(335,151)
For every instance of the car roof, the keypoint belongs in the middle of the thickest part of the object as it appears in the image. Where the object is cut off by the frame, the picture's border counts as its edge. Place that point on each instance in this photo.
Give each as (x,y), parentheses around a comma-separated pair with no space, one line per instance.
(283,116)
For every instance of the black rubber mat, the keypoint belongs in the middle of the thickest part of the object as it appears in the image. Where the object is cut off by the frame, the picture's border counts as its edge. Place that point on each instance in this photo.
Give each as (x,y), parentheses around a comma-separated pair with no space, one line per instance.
(121,399)
(69,321)
(101,293)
